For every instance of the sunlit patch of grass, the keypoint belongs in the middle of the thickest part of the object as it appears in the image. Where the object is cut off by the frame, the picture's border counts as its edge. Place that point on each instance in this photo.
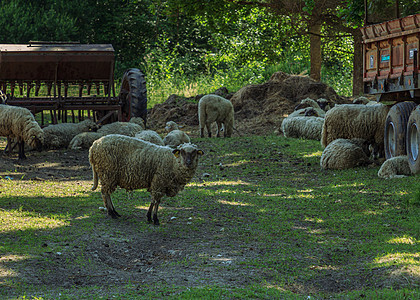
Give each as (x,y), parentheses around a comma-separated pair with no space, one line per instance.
(398,258)
(22,220)
(404,240)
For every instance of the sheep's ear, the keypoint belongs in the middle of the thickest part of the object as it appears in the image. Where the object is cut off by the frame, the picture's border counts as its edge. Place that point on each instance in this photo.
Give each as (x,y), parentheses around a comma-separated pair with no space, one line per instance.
(200,152)
(176,152)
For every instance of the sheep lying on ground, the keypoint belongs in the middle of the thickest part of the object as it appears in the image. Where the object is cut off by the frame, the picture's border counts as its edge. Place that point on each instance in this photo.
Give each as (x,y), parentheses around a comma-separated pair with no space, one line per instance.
(18,123)
(307,105)
(363,100)
(84,140)
(349,121)
(60,135)
(150,136)
(171,125)
(139,121)
(321,104)
(345,154)
(131,163)
(175,138)
(213,108)
(302,127)
(395,167)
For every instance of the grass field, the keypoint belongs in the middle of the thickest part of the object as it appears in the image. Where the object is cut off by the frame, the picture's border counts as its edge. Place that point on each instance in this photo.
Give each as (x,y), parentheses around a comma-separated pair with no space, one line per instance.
(265,222)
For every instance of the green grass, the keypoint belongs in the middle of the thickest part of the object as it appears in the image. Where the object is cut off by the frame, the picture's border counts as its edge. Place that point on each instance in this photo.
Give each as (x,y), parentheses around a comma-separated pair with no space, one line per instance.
(302,231)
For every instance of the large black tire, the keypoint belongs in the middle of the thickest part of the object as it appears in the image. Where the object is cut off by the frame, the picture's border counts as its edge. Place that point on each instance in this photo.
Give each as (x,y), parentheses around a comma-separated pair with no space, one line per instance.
(396,129)
(413,140)
(133,95)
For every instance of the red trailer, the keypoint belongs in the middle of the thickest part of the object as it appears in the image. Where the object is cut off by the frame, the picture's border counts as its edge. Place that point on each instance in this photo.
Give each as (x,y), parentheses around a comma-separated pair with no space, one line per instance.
(69,80)
(391,72)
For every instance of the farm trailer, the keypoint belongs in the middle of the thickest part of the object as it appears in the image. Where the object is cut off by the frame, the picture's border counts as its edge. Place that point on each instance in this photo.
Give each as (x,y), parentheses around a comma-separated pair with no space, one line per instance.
(391,72)
(70,81)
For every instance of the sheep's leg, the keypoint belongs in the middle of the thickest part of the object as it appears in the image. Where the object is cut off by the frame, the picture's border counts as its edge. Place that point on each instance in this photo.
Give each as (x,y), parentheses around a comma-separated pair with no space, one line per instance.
(202,132)
(22,150)
(110,206)
(219,128)
(208,126)
(149,212)
(153,209)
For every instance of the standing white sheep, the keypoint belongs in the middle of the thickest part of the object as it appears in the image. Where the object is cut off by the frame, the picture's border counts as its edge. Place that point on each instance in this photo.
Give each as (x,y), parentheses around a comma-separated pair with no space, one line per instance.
(60,135)
(395,167)
(345,154)
(19,123)
(131,163)
(349,121)
(213,108)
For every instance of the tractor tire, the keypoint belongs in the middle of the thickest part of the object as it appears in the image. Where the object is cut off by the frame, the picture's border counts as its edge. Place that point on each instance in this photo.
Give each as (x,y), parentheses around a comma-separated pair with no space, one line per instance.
(413,140)
(396,129)
(133,95)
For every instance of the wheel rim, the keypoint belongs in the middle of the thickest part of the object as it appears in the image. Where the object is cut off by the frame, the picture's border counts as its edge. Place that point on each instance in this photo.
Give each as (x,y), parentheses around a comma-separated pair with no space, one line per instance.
(414,142)
(391,139)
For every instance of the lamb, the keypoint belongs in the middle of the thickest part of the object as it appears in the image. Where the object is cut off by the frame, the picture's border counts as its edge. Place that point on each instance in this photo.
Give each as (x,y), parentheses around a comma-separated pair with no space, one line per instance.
(213,108)
(175,138)
(355,121)
(19,123)
(345,154)
(60,135)
(139,121)
(131,163)
(302,127)
(85,140)
(150,136)
(395,167)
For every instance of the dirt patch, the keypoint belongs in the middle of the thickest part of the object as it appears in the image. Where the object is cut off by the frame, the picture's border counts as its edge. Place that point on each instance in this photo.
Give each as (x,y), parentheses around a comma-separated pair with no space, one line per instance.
(259,108)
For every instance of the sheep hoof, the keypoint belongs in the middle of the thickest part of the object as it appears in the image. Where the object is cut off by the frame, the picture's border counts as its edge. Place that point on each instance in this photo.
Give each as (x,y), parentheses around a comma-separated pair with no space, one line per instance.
(114,214)
(156,222)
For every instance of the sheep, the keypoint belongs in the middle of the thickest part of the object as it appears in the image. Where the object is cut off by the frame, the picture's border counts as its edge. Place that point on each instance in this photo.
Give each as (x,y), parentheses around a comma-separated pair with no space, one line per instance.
(171,125)
(308,105)
(150,136)
(175,138)
(355,121)
(395,167)
(363,100)
(345,154)
(131,163)
(60,135)
(321,105)
(139,121)
(213,108)
(302,127)
(19,123)
(84,140)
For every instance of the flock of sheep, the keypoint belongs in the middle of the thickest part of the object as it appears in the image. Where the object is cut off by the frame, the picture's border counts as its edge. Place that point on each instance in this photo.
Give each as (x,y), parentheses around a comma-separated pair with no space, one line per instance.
(126,155)
(352,135)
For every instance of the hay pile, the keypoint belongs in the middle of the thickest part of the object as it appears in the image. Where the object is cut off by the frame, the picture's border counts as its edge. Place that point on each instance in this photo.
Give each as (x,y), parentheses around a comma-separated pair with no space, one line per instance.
(259,108)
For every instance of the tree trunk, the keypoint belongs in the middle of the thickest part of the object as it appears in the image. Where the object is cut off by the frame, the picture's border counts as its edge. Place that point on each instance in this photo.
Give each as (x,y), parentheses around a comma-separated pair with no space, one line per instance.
(315,49)
(357,63)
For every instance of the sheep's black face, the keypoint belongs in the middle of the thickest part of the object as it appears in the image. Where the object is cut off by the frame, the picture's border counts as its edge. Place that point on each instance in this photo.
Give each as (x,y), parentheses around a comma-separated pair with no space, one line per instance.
(322,104)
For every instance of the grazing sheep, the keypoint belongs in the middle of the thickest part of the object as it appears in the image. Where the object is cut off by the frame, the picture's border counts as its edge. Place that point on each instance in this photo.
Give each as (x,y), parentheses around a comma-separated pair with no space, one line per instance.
(345,154)
(175,138)
(85,140)
(395,167)
(302,127)
(171,125)
(60,135)
(213,108)
(131,163)
(19,123)
(150,136)
(349,121)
